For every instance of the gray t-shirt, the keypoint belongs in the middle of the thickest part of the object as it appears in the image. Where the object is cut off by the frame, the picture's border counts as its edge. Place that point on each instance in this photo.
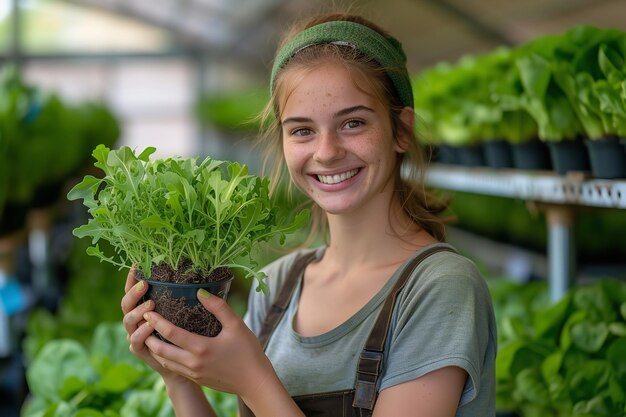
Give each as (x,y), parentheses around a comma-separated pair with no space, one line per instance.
(442,317)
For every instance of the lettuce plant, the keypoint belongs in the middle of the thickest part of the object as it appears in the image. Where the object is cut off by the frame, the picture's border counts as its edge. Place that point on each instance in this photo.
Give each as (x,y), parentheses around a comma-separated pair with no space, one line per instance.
(67,379)
(177,211)
(565,359)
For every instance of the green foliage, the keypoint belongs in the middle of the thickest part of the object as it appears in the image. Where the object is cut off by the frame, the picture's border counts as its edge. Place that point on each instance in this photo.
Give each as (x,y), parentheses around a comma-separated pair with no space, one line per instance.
(472,100)
(565,359)
(68,380)
(235,111)
(599,234)
(166,211)
(44,141)
(553,87)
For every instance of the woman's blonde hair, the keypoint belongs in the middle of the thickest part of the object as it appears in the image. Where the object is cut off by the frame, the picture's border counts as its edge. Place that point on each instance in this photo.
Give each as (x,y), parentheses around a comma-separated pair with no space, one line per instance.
(421,206)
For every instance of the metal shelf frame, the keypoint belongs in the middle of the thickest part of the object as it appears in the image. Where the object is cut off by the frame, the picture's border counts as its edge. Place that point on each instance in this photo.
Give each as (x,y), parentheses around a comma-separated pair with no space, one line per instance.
(558,195)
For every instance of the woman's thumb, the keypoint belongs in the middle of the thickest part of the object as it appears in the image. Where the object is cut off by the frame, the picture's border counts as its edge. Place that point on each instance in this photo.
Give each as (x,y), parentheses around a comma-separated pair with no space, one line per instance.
(216,305)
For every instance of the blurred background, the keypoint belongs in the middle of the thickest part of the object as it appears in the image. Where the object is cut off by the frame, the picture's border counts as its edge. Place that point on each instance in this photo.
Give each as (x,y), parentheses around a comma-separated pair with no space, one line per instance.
(187,76)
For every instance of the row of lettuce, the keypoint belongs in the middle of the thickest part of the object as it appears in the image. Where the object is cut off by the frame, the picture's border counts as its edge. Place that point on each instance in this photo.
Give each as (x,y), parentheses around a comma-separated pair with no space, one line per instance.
(44,141)
(554,88)
(561,359)
(566,92)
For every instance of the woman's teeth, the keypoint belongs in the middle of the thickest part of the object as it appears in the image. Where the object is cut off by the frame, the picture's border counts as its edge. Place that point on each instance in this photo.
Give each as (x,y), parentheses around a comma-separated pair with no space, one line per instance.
(334,179)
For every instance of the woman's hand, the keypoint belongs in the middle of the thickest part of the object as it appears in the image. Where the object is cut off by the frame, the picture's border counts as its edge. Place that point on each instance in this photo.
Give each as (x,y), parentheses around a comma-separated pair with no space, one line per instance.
(135,325)
(233,361)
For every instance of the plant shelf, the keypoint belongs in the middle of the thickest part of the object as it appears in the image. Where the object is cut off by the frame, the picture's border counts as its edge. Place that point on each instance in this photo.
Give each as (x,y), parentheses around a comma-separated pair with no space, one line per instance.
(559,196)
(545,187)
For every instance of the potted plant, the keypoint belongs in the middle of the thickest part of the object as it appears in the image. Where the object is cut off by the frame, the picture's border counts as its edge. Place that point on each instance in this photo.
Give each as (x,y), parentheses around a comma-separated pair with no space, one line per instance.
(442,101)
(185,225)
(606,92)
(543,98)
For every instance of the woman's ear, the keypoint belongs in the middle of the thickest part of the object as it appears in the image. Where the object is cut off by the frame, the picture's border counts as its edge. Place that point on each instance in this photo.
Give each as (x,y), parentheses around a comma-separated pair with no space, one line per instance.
(404,134)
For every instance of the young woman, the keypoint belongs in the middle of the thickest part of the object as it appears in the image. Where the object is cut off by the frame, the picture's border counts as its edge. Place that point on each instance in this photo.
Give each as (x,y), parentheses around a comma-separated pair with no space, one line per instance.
(384,318)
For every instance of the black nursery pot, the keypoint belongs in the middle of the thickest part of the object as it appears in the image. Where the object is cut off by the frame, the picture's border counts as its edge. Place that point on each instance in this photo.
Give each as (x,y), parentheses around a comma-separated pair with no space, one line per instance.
(607,157)
(569,156)
(178,303)
(471,155)
(498,154)
(447,154)
(533,155)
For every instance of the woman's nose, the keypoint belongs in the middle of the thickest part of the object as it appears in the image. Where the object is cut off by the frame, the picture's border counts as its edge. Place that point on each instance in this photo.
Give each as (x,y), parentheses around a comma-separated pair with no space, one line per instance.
(328,148)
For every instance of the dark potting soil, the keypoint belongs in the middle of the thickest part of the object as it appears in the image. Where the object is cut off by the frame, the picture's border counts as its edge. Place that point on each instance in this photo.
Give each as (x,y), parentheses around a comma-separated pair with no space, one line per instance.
(188,314)
(184,274)
(195,318)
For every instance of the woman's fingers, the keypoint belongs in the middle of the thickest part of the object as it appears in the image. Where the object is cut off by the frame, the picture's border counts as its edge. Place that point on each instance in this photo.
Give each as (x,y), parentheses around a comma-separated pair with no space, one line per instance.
(133,296)
(138,338)
(134,318)
(218,307)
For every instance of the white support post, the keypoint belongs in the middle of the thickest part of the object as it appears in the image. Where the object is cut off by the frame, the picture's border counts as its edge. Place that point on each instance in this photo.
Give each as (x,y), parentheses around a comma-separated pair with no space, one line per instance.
(561,250)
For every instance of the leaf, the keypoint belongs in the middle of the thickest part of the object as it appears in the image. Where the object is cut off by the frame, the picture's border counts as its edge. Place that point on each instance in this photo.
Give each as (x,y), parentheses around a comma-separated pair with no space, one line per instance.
(535,75)
(617,329)
(548,324)
(566,337)
(57,361)
(551,365)
(154,221)
(91,229)
(616,355)
(532,387)
(588,378)
(589,336)
(88,412)
(85,190)
(119,378)
(145,155)
(101,154)
(146,404)
(594,300)
(109,341)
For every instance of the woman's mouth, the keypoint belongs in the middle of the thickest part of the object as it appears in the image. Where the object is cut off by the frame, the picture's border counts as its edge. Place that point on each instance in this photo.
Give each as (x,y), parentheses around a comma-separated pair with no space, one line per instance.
(337,178)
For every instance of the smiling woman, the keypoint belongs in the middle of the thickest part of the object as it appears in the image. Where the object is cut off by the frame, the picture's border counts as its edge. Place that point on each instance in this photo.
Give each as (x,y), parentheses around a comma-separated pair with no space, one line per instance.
(384,318)
(341,153)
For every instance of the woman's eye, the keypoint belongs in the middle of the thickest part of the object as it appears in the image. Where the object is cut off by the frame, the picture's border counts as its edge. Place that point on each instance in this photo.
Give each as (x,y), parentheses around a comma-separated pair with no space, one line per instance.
(351,124)
(303,131)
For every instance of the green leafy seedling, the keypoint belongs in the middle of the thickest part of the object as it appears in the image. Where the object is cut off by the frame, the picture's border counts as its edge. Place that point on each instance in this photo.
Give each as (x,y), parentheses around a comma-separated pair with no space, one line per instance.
(211,214)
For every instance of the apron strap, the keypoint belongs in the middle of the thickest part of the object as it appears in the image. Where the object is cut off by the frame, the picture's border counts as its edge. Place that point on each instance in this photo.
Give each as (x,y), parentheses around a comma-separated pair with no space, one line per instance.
(280,304)
(370,363)
(277,311)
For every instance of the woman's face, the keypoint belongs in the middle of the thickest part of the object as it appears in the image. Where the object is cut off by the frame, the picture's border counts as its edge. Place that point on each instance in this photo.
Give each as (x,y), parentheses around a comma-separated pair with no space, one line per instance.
(337,141)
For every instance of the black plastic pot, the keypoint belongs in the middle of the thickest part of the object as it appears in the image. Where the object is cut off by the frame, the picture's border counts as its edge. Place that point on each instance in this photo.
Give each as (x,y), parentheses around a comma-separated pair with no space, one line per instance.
(607,157)
(533,155)
(447,154)
(178,303)
(569,156)
(498,153)
(471,155)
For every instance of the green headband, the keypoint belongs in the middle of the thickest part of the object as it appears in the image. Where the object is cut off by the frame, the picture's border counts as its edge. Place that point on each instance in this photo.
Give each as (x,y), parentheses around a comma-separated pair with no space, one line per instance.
(387,52)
